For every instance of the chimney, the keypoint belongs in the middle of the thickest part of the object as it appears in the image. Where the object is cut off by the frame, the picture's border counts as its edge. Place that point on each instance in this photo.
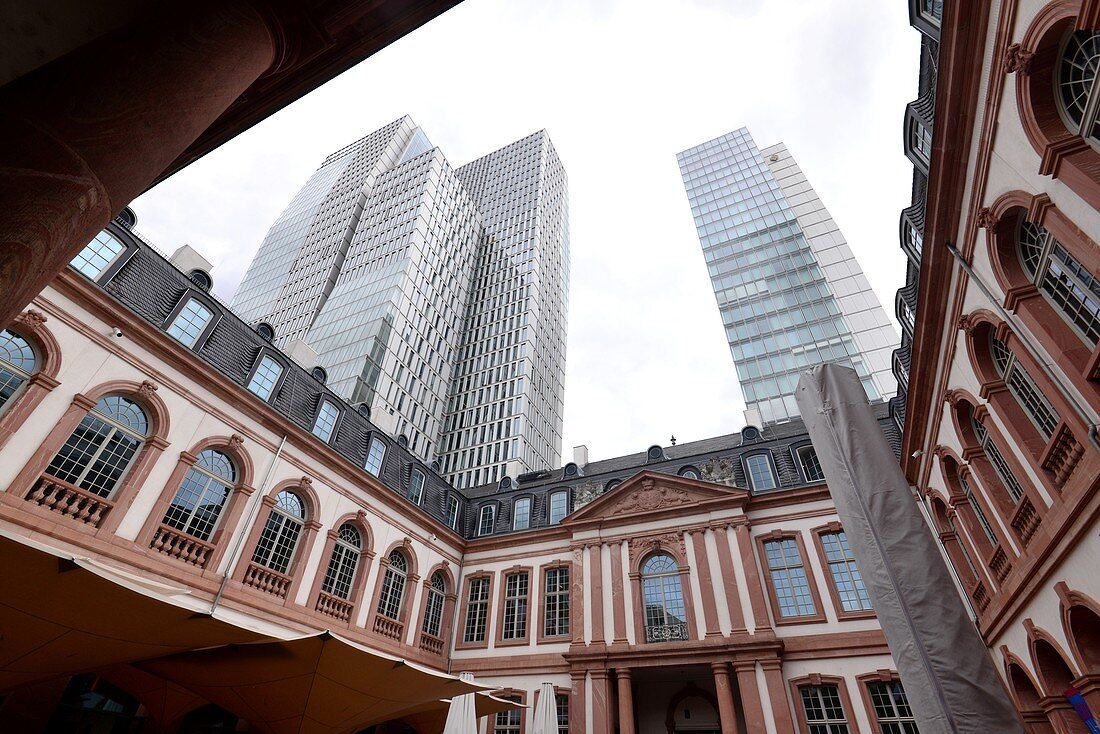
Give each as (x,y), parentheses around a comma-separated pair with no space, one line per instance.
(752,418)
(301,353)
(580,456)
(187,259)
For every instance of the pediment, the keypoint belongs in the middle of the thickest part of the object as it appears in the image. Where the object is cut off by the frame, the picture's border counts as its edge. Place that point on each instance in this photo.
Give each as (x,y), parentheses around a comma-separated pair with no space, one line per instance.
(652,492)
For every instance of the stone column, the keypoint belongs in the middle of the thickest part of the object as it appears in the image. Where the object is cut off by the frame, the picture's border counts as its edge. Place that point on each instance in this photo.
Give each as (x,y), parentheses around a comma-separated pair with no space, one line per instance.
(626,701)
(577,714)
(83,135)
(752,577)
(750,696)
(777,692)
(602,714)
(725,697)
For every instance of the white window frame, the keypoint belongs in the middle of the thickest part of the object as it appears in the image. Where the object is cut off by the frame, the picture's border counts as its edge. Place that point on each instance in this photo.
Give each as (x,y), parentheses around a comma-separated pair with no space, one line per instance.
(254,387)
(515,513)
(374,466)
(416,489)
(565,506)
(178,328)
(771,468)
(481,516)
(318,429)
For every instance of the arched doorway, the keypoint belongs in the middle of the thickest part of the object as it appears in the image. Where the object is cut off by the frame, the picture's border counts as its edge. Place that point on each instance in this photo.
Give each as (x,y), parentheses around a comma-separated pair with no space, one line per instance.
(1027,701)
(693,710)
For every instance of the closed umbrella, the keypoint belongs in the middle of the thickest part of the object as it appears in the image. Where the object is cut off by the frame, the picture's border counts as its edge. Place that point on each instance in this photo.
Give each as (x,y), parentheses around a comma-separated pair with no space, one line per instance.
(546,711)
(461,718)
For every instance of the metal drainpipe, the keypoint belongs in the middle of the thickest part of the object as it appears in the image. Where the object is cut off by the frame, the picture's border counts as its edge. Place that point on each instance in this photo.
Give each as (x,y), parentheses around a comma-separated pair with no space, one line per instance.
(1081,412)
(251,516)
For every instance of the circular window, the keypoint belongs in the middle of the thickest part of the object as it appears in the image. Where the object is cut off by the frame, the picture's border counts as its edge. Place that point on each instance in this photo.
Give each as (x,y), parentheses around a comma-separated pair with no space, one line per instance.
(655,453)
(750,433)
(202,279)
(319,374)
(266,331)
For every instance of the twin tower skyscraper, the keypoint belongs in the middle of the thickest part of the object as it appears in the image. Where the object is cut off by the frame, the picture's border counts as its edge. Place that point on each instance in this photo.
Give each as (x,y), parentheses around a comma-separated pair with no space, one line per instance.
(436,296)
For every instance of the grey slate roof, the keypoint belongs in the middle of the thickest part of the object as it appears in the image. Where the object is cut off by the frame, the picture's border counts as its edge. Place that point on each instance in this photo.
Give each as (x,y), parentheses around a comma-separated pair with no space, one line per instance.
(146,283)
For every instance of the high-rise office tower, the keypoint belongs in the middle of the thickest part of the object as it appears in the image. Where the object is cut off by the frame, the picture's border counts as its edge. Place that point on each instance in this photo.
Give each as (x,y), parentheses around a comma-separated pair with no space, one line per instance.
(790,292)
(436,296)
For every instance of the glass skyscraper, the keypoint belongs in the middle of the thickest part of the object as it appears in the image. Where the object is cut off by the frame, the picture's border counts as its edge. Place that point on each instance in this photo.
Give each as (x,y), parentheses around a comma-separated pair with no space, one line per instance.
(435,296)
(789,290)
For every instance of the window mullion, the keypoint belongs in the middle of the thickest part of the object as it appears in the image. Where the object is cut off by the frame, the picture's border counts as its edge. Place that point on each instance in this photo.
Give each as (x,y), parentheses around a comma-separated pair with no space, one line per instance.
(1092,108)
(95,457)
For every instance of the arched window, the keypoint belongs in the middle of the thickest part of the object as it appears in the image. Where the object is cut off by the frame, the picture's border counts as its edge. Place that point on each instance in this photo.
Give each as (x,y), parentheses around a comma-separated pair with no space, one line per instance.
(433,609)
(1076,87)
(1068,285)
(102,448)
(393,586)
(689,472)
(202,495)
(1023,388)
(663,597)
(340,575)
(997,459)
(17,364)
(279,539)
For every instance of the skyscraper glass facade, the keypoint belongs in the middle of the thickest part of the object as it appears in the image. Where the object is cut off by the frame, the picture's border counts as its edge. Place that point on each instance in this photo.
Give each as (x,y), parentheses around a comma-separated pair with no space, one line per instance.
(435,296)
(789,291)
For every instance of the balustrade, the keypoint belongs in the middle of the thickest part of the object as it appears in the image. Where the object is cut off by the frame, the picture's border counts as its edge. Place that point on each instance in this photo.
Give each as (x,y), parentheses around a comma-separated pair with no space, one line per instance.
(334,606)
(186,548)
(431,644)
(387,627)
(266,580)
(69,500)
(666,632)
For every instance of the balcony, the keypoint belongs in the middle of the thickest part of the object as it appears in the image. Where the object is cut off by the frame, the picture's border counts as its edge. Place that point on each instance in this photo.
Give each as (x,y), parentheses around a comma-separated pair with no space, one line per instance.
(69,500)
(387,627)
(666,632)
(431,644)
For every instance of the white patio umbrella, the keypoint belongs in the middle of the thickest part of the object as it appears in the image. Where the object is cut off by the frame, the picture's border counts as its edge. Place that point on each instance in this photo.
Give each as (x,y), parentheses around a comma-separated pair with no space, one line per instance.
(461,718)
(546,711)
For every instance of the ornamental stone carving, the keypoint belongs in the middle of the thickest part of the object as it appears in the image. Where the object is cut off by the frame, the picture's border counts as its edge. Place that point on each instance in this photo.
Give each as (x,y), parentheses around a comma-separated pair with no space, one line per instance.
(719,471)
(31,319)
(1018,60)
(586,493)
(147,389)
(650,544)
(986,219)
(651,497)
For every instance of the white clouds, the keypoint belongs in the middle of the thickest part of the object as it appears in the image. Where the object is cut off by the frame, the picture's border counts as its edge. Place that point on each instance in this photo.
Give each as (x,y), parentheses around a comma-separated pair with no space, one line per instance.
(621,87)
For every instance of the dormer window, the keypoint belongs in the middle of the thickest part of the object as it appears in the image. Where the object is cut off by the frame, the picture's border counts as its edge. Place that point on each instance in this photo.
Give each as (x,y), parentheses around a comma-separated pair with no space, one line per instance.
(452,512)
(811,465)
(265,377)
(758,467)
(521,514)
(559,507)
(375,455)
(190,322)
(325,422)
(98,255)
(486,519)
(416,486)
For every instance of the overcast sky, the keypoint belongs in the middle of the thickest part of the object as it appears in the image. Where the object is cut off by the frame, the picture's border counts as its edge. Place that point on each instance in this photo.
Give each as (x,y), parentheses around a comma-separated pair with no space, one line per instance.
(621,86)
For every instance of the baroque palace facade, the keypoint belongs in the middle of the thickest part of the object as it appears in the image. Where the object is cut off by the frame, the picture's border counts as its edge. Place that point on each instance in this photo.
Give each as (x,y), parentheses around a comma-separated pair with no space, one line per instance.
(1000,357)
(150,434)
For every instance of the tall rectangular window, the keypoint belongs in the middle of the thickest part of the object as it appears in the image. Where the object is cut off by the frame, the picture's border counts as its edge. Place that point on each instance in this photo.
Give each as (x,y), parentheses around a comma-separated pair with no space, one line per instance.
(416,486)
(452,512)
(561,706)
(891,706)
(509,722)
(515,606)
(555,612)
(846,577)
(375,455)
(559,507)
(824,710)
(326,421)
(189,323)
(265,377)
(486,519)
(477,610)
(788,577)
(521,514)
(983,522)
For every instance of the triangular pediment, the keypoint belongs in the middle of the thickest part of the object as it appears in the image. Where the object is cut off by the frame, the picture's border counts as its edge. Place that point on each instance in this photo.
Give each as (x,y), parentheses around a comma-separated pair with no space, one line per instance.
(653,492)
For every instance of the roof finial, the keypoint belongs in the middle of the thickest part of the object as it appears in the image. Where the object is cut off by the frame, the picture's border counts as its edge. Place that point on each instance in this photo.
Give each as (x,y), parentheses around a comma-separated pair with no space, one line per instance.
(673,439)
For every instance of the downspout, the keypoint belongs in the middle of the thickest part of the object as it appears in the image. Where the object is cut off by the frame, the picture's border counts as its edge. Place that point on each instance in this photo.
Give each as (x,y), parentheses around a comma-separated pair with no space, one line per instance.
(250,518)
(1068,394)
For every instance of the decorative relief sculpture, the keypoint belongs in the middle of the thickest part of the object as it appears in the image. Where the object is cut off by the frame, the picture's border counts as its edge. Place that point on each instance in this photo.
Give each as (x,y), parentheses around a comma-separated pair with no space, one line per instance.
(651,497)
(719,471)
(586,493)
(651,543)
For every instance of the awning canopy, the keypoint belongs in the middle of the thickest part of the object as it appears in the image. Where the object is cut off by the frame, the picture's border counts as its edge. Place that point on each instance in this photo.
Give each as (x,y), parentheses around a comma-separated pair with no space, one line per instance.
(319,683)
(61,615)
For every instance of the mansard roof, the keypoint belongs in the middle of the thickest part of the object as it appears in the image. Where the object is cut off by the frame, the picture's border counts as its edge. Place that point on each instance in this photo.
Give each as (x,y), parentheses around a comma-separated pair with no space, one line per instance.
(150,286)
